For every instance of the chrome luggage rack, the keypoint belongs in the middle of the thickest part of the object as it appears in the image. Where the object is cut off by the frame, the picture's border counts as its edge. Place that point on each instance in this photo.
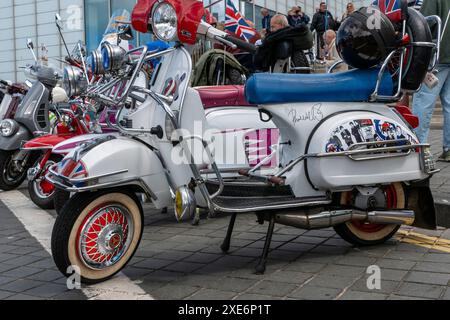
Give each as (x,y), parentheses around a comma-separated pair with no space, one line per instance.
(375,97)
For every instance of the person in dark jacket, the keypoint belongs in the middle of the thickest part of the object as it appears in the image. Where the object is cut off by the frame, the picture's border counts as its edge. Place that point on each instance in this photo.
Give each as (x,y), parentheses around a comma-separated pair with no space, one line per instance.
(297,18)
(322,21)
(265,19)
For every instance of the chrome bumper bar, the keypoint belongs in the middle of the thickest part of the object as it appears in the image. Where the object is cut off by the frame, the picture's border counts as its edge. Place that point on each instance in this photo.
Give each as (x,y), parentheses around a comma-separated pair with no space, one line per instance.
(91,183)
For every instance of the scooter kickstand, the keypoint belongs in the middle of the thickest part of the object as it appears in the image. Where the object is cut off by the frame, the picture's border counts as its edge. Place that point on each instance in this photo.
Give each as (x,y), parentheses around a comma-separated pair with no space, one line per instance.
(261,266)
(226,242)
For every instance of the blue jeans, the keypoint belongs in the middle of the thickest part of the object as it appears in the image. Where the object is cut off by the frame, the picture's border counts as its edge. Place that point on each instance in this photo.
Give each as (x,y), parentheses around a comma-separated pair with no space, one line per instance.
(424,102)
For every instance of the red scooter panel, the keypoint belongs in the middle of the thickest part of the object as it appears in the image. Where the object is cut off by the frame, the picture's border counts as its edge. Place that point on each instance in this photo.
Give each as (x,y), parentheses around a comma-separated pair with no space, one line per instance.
(189,14)
(46,142)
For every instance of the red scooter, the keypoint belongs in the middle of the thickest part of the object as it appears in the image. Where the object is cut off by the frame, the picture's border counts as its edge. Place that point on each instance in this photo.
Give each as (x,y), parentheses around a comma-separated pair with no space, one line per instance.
(73,121)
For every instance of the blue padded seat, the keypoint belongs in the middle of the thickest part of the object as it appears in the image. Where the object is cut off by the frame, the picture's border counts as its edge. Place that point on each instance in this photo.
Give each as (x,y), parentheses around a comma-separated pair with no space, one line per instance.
(350,86)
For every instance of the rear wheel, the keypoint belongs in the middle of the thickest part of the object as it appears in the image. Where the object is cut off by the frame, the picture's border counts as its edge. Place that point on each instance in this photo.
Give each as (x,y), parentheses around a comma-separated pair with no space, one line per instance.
(361,233)
(12,173)
(98,232)
(41,191)
(299,60)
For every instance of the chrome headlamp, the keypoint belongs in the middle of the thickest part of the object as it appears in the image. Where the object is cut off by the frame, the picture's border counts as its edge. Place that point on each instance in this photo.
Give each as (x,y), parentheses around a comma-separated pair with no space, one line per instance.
(8,127)
(113,56)
(164,22)
(74,81)
(95,63)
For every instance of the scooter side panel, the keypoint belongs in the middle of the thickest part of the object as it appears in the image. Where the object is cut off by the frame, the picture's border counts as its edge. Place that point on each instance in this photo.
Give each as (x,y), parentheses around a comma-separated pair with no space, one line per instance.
(299,124)
(343,131)
(241,138)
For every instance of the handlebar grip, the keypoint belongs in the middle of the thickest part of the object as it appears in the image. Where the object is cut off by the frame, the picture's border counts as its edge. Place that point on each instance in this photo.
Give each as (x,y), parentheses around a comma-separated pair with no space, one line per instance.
(137,98)
(241,44)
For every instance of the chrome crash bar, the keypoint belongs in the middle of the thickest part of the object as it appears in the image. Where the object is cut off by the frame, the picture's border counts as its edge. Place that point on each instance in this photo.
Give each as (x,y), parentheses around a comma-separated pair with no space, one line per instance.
(427,163)
(91,183)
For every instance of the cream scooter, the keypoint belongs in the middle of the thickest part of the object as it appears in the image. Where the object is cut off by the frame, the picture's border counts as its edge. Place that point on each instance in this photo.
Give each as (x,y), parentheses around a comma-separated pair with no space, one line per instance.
(364,182)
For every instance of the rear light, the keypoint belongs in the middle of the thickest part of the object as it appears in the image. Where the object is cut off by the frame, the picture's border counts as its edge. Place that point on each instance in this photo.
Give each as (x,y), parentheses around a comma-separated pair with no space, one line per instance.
(410,118)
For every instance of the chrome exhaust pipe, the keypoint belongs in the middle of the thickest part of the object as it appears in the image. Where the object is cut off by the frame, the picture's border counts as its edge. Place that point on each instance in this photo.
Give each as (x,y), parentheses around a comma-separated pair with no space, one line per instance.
(327,219)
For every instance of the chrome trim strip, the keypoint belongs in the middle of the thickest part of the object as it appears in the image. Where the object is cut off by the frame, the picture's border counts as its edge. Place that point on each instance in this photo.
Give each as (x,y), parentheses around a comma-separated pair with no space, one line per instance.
(272,207)
(224,170)
(351,153)
(68,188)
(81,180)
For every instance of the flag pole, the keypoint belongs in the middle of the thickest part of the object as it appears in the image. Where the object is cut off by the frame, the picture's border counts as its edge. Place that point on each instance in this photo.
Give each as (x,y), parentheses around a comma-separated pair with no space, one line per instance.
(211,4)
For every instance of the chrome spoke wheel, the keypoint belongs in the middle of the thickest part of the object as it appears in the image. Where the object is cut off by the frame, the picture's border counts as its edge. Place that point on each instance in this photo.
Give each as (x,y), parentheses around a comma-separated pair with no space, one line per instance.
(105,236)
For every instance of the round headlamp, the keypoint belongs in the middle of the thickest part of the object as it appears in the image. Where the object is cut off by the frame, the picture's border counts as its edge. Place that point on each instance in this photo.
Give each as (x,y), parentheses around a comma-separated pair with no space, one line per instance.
(8,127)
(95,63)
(164,22)
(74,81)
(112,56)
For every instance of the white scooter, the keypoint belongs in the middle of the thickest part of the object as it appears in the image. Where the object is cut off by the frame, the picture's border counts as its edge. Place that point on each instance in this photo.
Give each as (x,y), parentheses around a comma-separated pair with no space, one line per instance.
(344,162)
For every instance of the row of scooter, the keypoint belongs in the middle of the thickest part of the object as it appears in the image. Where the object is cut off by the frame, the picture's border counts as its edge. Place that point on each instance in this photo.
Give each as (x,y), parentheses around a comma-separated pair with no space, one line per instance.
(53,107)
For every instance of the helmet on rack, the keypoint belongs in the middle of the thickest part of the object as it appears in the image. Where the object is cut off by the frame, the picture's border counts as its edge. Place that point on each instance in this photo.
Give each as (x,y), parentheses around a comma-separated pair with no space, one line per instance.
(365,38)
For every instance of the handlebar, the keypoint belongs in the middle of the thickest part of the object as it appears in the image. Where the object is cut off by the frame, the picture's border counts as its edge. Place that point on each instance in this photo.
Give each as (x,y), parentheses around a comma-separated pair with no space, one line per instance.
(241,44)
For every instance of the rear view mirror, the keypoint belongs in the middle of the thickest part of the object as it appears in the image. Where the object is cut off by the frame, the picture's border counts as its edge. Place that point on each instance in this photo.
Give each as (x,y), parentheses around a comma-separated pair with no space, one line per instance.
(58,21)
(126,33)
(30,44)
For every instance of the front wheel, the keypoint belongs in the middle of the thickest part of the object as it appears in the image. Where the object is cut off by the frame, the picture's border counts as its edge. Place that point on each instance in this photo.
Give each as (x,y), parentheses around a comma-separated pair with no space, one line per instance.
(12,173)
(41,191)
(97,232)
(361,233)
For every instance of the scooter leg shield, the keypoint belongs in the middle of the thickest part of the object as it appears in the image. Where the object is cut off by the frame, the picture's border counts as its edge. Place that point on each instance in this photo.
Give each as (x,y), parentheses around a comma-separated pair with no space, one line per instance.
(420,199)
(14,142)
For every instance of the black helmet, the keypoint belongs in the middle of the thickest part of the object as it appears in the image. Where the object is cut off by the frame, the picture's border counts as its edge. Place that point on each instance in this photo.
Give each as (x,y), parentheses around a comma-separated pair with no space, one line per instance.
(365,38)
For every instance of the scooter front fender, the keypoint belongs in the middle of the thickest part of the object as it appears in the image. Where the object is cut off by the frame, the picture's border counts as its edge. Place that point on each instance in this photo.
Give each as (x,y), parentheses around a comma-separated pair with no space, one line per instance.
(117,161)
(14,142)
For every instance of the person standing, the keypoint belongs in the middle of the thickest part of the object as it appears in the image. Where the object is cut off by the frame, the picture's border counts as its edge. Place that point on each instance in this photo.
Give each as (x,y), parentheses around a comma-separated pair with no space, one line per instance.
(350,9)
(297,18)
(331,53)
(322,21)
(425,100)
(265,20)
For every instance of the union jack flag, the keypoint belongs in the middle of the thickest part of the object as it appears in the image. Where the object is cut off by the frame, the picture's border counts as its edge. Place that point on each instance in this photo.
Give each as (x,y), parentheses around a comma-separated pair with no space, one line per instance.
(391,8)
(235,22)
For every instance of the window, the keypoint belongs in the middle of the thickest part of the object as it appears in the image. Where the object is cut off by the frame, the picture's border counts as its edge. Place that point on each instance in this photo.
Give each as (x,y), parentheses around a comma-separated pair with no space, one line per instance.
(97,17)
(97,14)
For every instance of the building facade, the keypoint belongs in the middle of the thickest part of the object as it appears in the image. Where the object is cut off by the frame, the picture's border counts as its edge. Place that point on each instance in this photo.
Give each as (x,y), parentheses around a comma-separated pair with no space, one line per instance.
(86,20)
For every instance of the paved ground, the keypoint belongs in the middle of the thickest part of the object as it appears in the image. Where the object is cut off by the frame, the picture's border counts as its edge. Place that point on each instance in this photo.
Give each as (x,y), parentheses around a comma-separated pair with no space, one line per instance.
(440,183)
(435,140)
(180,261)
